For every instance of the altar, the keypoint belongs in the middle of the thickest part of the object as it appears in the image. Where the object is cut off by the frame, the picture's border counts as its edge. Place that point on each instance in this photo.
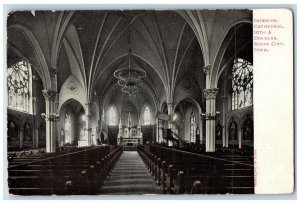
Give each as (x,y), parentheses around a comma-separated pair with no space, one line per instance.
(130,137)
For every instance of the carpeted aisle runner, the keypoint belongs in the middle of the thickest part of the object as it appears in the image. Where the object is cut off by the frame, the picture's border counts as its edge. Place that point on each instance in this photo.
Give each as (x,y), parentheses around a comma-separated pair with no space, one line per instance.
(130,176)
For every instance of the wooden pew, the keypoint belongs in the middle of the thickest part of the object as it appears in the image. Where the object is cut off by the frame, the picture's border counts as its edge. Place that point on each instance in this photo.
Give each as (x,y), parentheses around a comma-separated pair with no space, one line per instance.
(184,172)
(80,172)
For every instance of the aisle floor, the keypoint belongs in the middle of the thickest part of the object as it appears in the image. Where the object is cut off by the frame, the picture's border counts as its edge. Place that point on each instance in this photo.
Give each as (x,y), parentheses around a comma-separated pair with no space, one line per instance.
(130,176)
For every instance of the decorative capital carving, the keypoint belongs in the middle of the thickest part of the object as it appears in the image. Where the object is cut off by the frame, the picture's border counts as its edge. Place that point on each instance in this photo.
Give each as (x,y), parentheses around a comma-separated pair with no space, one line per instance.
(35,99)
(49,95)
(51,117)
(206,69)
(208,116)
(170,104)
(53,71)
(34,77)
(210,93)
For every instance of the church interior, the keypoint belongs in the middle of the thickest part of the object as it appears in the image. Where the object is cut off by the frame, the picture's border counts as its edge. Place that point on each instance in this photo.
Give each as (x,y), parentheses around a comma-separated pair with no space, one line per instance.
(130,102)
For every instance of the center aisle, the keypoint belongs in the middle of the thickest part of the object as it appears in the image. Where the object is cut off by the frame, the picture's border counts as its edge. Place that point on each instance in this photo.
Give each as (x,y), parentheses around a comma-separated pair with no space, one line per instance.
(130,176)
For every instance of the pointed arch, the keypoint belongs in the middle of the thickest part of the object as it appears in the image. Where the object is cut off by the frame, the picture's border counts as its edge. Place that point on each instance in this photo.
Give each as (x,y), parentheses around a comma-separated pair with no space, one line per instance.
(222,49)
(42,64)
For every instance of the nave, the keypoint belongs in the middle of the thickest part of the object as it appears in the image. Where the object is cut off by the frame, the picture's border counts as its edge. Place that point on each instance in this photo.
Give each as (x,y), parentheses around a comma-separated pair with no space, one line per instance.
(104,100)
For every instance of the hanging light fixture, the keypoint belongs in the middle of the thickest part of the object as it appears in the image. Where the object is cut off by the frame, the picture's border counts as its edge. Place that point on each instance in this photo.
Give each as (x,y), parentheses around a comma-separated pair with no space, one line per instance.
(129,77)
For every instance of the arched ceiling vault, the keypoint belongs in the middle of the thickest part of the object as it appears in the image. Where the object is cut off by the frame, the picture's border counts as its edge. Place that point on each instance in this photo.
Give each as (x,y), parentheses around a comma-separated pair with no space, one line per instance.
(114,96)
(159,42)
(95,44)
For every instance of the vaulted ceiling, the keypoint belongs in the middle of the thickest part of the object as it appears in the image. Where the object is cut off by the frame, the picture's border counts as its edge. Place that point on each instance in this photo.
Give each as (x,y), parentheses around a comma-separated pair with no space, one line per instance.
(91,45)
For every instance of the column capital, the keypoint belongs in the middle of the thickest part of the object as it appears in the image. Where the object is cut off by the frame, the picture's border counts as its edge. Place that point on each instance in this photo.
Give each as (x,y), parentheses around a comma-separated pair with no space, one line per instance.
(210,93)
(51,117)
(170,103)
(88,129)
(208,116)
(34,77)
(35,99)
(53,71)
(207,69)
(49,95)
(88,104)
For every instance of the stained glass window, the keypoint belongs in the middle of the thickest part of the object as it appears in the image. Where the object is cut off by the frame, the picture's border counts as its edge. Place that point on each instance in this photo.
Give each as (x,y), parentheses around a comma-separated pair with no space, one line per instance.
(67,128)
(242,83)
(112,116)
(147,116)
(193,127)
(19,87)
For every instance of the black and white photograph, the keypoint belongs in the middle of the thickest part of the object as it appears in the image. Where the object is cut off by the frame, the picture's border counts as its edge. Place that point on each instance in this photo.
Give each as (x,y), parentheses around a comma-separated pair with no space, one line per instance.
(130,102)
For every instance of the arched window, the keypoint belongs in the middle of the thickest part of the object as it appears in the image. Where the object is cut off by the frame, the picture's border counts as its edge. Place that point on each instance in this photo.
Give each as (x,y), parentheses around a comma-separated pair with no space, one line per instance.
(68,128)
(112,116)
(242,83)
(19,87)
(147,116)
(193,127)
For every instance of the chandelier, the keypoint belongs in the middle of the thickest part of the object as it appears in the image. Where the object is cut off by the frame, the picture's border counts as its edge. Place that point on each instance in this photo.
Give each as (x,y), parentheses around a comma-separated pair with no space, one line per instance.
(129,77)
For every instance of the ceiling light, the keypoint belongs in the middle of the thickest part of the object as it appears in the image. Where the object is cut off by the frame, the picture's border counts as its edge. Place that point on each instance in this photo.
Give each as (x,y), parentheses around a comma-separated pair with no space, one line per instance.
(129,77)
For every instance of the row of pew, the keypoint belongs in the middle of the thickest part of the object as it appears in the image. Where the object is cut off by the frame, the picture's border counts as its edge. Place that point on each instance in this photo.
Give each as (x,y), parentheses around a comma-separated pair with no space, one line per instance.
(25,156)
(80,172)
(200,148)
(181,172)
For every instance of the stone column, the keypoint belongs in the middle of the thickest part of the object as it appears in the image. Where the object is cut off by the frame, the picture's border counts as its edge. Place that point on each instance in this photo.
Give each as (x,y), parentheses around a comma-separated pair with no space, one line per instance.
(160,131)
(170,113)
(224,112)
(88,125)
(157,130)
(210,118)
(21,136)
(36,132)
(50,117)
(170,122)
(240,130)
(226,135)
(201,130)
